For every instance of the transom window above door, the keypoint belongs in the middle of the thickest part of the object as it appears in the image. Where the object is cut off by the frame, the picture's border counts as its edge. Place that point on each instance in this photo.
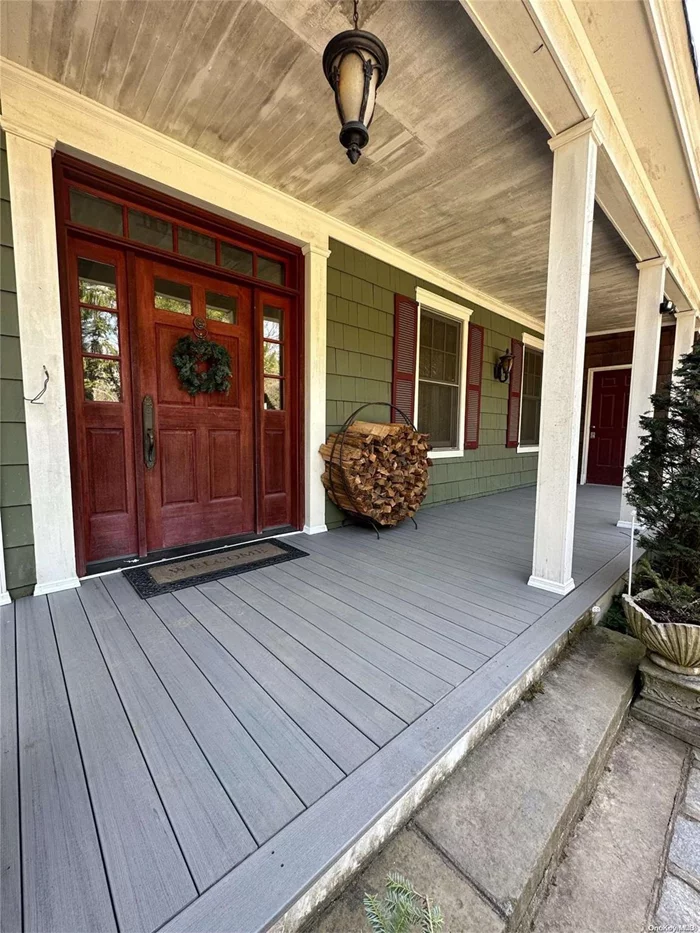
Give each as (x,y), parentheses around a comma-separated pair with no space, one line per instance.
(118,218)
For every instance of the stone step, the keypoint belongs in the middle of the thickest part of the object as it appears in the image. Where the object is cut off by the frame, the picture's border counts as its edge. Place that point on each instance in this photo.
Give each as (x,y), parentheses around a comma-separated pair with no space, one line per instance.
(504,817)
(483,847)
(608,877)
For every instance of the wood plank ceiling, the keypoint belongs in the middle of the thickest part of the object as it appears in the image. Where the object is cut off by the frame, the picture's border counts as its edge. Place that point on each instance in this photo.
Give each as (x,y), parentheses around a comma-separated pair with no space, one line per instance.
(458,172)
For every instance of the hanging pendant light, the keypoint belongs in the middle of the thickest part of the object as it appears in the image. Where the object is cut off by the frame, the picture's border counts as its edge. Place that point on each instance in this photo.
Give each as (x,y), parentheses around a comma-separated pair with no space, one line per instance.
(355,63)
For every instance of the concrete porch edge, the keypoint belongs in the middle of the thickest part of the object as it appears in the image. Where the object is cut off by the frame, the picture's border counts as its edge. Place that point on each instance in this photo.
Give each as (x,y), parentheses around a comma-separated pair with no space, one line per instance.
(285,881)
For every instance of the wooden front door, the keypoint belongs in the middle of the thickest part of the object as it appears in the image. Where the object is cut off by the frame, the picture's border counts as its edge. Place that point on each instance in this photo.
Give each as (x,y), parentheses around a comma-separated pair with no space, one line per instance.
(198,451)
(606,444)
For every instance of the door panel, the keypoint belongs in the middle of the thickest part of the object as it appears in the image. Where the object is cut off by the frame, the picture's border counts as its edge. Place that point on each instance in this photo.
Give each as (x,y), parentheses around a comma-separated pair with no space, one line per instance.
(202,485)
(609,405)
(97,337)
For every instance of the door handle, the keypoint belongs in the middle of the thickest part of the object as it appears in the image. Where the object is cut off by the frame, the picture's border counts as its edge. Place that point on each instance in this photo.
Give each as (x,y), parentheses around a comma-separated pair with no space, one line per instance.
(149,437)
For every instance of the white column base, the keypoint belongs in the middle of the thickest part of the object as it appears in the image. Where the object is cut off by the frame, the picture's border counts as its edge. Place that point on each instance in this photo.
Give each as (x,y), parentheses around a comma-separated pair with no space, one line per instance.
(55,586)
(561,589)
(315,529)
(5,598)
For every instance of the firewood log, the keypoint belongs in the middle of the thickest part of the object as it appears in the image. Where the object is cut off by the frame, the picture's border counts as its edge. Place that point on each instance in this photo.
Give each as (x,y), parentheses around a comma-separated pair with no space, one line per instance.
(377,471)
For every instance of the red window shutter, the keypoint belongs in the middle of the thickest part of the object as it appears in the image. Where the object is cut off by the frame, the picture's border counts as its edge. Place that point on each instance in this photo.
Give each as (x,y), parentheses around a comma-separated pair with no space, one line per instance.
(405,348)
(516,378)
(475,360)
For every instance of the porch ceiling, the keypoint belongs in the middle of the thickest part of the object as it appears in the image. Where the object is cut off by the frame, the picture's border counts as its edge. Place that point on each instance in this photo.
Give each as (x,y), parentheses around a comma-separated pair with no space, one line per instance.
(458,172)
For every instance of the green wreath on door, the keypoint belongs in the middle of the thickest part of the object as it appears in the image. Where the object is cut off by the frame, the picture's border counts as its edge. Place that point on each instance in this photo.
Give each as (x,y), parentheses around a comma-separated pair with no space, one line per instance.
(202,365)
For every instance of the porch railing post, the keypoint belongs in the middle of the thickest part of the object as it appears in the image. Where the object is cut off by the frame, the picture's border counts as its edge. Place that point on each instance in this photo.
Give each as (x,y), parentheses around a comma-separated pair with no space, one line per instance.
(571,226)
(315,326)
(645,360)
(39,314)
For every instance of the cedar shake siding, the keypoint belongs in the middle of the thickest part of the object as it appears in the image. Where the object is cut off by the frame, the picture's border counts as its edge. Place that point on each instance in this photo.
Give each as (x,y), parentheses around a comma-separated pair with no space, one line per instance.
(15,498)
(361,293)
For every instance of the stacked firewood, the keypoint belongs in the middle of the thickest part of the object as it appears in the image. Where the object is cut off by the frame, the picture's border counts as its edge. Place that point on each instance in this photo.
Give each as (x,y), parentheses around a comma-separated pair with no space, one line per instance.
(377,471)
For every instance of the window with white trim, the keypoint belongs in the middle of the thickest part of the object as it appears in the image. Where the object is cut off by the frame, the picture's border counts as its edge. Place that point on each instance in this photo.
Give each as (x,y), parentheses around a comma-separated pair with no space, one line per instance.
(439,354)
(531,393)
(441,371)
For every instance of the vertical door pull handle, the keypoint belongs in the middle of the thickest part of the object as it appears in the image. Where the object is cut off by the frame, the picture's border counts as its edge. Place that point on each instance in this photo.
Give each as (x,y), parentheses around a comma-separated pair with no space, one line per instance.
(149,437)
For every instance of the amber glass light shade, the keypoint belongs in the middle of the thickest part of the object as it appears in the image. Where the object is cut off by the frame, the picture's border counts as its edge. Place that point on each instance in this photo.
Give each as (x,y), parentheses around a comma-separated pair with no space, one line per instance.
(355,63)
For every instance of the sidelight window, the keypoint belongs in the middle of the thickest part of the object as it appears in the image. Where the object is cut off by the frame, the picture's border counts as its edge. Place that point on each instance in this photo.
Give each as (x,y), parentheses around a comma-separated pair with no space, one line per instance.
(273,358)
(99,331)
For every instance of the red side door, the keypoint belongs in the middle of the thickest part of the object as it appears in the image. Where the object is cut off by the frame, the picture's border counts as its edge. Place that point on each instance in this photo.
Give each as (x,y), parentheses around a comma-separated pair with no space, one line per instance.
(606,445)
(202,484)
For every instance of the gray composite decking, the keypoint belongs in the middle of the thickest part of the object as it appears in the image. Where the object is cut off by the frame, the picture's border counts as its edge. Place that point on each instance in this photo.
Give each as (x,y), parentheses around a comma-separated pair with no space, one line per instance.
(150,747)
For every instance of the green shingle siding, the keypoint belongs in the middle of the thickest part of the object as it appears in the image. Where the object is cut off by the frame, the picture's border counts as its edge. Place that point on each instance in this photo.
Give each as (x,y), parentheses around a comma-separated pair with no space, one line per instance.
(15,495)
(360,361)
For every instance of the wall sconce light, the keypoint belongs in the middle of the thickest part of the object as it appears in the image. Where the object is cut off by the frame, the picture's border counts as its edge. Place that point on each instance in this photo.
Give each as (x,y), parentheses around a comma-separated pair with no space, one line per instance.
(501,371)
(667,307)
(355,63)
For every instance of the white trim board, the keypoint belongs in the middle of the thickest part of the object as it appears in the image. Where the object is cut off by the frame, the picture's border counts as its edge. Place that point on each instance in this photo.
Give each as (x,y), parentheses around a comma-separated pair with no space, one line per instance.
(587,413)
(441,305)
(4,595)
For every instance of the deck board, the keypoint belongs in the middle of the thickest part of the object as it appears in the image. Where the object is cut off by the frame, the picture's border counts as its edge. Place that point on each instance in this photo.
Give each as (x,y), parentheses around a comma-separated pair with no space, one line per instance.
(442,636)
(172,750)
(341,741)
(430,649)
(484,617)
(418,655)
(261,795)
(209,830)
(10,852)
(149,878)
(64,880)
(419,681)
(373,719)
(307,770)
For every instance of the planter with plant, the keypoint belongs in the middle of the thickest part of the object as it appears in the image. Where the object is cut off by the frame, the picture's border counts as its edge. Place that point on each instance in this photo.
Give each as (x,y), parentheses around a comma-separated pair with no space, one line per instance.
(663,486)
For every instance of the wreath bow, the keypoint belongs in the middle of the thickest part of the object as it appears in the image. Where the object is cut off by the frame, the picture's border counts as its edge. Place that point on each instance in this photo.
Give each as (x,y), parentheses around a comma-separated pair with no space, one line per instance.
(188,357)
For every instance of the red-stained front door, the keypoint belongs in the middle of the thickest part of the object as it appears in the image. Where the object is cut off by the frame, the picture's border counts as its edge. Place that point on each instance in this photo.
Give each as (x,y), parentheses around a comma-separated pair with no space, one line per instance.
(197,451)
(609,405)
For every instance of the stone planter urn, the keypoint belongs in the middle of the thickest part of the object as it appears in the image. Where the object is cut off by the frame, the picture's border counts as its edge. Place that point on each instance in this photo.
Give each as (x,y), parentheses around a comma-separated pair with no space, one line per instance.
(673,645)
(670,676)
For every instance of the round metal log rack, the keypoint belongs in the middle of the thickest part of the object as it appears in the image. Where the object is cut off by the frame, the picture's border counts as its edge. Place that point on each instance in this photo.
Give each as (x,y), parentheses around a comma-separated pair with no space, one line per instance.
(357,515)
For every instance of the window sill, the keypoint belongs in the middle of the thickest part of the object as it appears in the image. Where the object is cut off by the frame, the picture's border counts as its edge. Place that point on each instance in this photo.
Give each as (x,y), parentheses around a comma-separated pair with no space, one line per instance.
(528,450)
(443,454)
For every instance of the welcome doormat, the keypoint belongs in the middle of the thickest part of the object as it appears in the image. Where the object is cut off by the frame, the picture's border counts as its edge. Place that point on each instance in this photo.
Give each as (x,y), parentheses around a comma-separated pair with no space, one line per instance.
(191,571)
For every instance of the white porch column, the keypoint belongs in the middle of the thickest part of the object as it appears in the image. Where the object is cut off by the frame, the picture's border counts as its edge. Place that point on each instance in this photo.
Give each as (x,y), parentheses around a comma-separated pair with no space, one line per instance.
(571,227)
(687,323)
(645,361)
(315,278)
(39,309)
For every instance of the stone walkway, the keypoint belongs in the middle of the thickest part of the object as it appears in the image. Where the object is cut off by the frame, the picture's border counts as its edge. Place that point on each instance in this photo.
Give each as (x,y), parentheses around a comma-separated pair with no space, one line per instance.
(679,903)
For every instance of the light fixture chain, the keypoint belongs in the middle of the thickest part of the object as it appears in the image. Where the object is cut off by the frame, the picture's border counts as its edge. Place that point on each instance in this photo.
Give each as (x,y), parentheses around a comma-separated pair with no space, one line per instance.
(355,15)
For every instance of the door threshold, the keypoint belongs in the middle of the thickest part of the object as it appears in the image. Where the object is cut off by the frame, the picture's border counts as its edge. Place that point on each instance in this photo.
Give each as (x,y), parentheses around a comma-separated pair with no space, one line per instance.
(102,568)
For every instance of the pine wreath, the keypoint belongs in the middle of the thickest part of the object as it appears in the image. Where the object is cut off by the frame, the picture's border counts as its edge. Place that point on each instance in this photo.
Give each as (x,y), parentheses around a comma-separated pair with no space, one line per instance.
(202,365)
